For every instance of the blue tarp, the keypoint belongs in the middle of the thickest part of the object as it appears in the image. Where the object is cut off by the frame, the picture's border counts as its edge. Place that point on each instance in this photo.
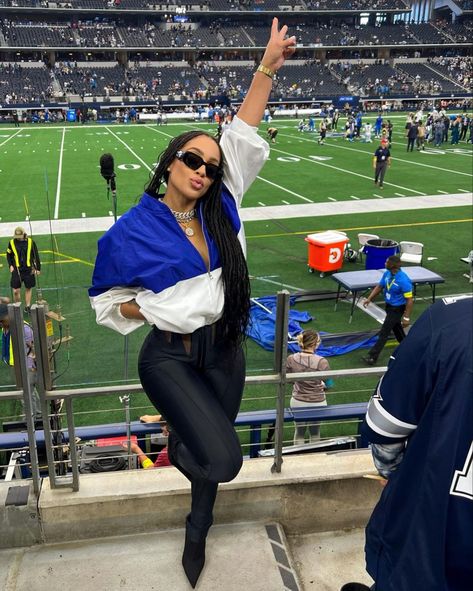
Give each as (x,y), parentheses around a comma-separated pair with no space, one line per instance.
(262,329)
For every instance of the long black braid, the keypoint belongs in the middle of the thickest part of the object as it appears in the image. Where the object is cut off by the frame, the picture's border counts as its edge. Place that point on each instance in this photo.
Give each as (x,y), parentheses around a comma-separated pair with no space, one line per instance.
(236,283)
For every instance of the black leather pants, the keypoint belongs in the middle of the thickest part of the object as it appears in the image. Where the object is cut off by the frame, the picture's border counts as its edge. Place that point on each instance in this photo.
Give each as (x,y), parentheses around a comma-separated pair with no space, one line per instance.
(196,381)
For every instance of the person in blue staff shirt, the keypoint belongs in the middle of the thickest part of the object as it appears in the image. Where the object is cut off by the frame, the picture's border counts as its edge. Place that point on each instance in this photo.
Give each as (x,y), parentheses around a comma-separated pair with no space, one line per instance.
(397,290)
(420,425)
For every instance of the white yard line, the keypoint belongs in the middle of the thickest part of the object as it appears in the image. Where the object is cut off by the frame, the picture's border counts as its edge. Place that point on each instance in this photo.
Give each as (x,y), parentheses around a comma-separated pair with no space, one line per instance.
(59,176)
(130,149)
(445,147)
(363,176)
(354,197)
(331,144)
(399,194)
(268,280)
(300,210)
(9,138)
(158,131)
(284,189)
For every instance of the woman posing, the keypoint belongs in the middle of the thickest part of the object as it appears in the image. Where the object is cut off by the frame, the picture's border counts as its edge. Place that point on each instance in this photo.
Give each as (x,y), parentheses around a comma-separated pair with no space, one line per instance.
(176,261)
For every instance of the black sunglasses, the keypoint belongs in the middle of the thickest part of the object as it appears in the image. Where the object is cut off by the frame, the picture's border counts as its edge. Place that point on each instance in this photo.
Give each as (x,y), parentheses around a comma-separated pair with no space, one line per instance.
(194,162)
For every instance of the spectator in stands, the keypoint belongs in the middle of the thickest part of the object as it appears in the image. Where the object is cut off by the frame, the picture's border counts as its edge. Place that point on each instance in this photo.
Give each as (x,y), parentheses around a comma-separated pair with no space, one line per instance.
(24,263)
(307,394)
(191,364)
(397,290)
(421,432)
(162,459)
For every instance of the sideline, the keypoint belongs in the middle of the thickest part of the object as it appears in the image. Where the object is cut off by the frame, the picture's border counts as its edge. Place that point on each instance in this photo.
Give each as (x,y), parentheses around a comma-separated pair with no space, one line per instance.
(301,210)
(59,175)
(370,227)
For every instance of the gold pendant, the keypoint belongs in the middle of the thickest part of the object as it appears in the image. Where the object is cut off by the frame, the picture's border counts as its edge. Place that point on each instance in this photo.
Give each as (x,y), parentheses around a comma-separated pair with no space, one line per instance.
(189,231)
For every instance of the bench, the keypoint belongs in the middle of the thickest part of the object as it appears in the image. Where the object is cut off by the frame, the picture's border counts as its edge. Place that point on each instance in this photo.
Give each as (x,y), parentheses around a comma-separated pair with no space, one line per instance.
(255,420)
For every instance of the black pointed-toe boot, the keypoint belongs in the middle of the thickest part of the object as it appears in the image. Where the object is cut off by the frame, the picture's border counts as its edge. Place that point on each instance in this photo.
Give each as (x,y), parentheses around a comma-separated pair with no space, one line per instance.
(193,557)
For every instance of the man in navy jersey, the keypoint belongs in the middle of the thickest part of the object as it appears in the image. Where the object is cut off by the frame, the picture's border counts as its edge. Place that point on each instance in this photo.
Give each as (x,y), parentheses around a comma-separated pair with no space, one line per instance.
(381,162)
(397,290)
(420,424)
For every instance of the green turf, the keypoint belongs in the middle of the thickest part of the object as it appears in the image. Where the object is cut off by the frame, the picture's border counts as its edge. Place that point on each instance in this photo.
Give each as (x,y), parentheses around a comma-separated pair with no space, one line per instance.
(277,252)
(30,165)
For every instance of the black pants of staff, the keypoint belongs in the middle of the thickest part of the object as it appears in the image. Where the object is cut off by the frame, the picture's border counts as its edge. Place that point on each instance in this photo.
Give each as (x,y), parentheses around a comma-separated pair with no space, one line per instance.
(196,381)
(380,171)
(410,143)
(392,322)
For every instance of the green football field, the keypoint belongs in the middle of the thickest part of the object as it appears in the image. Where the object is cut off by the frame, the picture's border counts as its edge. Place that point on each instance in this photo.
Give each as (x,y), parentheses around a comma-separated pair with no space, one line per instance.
(59,166)
(50,173)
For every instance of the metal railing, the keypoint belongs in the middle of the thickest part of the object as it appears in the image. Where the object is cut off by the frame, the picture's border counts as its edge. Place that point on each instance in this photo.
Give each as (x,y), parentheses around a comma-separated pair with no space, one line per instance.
(279,379)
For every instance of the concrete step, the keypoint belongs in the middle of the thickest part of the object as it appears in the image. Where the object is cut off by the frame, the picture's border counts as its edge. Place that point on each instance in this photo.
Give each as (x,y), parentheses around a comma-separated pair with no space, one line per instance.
(242,557)
(250,557)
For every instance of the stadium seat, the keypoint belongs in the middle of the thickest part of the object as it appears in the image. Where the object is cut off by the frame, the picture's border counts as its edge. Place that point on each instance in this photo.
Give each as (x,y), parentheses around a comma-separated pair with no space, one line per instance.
(411,252)
(362,240)
(469,261)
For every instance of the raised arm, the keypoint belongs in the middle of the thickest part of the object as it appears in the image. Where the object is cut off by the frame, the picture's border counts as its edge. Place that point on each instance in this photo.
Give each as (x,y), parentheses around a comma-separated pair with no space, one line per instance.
(277,51)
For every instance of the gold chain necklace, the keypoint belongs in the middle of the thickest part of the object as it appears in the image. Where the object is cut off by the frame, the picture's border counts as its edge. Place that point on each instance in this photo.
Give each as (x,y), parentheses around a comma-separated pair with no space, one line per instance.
(184,218)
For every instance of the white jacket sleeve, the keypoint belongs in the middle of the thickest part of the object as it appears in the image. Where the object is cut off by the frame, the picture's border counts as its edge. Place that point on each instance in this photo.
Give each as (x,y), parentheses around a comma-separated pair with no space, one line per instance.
(107,309)
(245,154)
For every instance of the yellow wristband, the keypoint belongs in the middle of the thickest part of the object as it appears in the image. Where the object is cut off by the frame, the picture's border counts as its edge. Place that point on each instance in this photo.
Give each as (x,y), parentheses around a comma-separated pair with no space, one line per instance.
(147,463)
(267,71)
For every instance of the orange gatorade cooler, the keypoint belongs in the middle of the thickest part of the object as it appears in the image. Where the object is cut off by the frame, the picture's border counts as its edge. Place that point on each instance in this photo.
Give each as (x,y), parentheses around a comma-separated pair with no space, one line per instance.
(326,251)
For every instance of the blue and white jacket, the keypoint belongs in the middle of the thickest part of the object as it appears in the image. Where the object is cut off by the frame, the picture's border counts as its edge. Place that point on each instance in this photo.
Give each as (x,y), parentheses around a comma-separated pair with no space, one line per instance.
(145,255)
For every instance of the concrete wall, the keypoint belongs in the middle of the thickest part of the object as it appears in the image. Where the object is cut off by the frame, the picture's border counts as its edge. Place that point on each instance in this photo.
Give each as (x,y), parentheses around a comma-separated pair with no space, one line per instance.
(313,493)
(19,525)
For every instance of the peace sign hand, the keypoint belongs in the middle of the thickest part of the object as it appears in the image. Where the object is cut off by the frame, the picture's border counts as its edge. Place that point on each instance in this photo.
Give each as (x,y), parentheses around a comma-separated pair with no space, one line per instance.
(279,48)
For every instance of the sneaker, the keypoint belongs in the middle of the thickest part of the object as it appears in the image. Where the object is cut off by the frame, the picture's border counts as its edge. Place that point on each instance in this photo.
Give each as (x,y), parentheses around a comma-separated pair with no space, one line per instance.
(381,186)
(369,360)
